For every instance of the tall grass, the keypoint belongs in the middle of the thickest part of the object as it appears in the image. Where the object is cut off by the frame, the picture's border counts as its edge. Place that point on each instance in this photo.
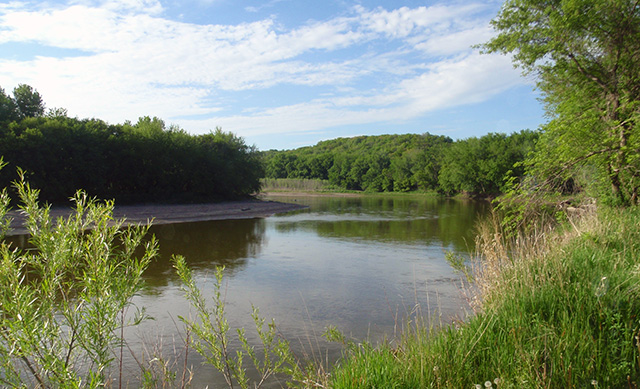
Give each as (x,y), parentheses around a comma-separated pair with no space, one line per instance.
(295,184)
(557,308)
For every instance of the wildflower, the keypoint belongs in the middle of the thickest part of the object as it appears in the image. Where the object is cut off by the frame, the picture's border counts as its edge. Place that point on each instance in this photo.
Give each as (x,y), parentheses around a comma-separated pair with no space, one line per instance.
(487,384)
(478,386)
(594,383)
(496,381)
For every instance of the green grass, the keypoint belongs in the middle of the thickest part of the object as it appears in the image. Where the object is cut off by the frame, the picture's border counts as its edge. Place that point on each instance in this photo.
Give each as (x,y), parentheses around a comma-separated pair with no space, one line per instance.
(556,309)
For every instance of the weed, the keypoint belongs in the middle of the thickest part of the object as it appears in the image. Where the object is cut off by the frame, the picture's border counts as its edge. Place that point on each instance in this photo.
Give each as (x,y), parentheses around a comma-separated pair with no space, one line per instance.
(210,337)
(63,302)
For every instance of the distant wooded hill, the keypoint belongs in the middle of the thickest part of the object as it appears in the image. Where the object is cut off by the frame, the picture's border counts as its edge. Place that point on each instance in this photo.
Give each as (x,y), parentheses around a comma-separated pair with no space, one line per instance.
(401,163)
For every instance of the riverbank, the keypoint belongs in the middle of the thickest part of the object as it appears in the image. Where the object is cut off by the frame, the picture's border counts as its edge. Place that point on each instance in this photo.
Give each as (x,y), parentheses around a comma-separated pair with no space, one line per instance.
(308,194)
(556,309)
(176,213)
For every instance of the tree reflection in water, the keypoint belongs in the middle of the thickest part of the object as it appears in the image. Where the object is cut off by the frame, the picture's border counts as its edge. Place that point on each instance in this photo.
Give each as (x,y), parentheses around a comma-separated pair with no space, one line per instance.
(205,245)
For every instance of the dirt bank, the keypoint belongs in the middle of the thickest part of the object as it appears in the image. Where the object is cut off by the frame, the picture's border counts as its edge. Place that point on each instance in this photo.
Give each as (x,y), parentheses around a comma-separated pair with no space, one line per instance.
(181,213)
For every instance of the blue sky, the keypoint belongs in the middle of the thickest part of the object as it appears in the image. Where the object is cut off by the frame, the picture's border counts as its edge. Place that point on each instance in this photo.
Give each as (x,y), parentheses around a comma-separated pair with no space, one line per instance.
(281,73)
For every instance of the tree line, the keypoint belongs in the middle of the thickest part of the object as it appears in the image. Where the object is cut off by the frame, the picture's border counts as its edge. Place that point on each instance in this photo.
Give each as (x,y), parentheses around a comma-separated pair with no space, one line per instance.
(584,56)
(138,162)
(409,162)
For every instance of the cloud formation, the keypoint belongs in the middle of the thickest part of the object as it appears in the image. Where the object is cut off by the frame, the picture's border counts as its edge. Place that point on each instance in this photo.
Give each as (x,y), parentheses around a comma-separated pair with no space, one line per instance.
(129,58)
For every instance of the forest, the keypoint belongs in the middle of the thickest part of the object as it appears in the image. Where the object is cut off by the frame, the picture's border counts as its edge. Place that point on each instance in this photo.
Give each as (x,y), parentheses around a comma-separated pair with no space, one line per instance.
(137,162)
(148,161)
(478,167)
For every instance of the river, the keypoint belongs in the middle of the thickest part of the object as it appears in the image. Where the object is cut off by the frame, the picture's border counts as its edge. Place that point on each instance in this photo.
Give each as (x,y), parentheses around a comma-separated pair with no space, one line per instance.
(361,264)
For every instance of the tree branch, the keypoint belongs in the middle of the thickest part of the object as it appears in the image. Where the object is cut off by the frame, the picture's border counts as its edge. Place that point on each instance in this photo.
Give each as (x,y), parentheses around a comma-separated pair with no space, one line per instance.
(585,157)
(587,74)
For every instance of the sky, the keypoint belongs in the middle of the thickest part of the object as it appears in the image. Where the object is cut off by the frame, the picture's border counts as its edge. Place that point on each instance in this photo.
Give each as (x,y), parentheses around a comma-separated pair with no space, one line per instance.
(281,74)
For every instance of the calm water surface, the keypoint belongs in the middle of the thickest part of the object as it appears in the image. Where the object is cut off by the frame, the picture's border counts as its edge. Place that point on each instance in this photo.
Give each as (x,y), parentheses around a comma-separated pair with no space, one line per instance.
(362,264)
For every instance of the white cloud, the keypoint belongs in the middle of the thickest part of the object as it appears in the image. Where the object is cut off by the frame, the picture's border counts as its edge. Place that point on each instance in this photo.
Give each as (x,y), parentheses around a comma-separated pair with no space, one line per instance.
(262,6)
(404,21)
(456,42)
(138,6)
(469,79)
(138,62)
(11,6)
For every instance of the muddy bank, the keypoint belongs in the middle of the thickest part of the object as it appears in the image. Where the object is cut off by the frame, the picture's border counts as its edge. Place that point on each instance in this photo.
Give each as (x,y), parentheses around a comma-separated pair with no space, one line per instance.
(181,213)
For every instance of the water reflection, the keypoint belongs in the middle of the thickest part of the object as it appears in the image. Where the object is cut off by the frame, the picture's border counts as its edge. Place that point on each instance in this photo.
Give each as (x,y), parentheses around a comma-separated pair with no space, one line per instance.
(205,245)
(406,220)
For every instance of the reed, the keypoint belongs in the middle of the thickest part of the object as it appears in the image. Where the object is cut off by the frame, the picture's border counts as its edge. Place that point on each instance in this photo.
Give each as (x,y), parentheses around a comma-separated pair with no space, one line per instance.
(295,184)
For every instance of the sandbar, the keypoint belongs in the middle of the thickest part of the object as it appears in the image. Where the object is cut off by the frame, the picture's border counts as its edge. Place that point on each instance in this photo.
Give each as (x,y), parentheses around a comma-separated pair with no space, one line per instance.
(175,213)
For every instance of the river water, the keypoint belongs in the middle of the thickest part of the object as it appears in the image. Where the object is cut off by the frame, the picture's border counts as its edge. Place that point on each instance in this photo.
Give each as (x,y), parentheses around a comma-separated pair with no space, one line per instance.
(365,265)
(361,264)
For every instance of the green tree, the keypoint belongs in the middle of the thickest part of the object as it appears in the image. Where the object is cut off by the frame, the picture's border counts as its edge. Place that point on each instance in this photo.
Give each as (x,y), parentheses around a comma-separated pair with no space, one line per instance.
(28,101)
(378,177)
(480,166)
(279,165)
(8,109)
(403,179)
(320,165)
(585,55)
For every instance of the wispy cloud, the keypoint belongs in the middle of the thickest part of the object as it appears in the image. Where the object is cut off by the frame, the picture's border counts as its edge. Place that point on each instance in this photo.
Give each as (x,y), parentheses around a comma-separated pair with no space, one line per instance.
(465,80)
(139,62)
(268,4)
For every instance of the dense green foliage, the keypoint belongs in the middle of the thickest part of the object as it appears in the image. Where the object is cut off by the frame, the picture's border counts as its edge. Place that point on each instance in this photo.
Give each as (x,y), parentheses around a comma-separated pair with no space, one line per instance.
(586,57)
(484,165)
(371,163)
(559,310)
(401,163)
(141,162)
(63,301)
(26,102)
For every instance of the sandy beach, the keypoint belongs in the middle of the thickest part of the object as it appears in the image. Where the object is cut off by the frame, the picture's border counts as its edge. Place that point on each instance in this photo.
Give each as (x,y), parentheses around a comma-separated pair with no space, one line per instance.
(176,213)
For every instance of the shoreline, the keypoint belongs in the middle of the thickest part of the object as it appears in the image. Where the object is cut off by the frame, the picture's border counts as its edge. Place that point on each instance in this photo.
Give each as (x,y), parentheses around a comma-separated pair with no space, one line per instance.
(308,194)
(174,213)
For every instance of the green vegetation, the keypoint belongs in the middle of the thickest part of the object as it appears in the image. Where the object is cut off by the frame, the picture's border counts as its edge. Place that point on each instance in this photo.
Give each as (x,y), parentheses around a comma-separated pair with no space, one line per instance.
(585,55)
(411,162)
(64,303)
(131,163)
(559,309)
(557,299)
(485,165)
(295,184)
(26,102)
